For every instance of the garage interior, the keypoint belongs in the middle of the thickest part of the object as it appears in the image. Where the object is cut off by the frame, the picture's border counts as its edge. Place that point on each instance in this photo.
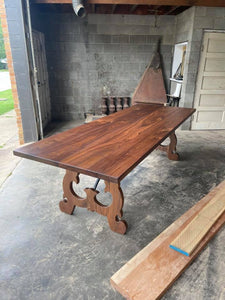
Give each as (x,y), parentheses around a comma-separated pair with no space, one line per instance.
(80,61)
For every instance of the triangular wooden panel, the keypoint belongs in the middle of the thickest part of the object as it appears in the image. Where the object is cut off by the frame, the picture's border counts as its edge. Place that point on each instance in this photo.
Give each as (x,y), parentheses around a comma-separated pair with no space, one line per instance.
(151,88)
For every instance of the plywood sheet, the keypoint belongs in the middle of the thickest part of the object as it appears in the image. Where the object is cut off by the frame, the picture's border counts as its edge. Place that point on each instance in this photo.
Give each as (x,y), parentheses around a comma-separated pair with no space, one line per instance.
(154,269)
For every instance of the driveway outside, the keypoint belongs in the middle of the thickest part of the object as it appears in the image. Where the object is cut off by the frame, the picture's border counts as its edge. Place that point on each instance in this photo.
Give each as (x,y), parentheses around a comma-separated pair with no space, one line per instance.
(8,135)
(5,83)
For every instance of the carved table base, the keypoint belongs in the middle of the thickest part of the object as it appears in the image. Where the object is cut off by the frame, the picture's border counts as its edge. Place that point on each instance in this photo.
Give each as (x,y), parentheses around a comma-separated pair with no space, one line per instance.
(113,212)
(171,148)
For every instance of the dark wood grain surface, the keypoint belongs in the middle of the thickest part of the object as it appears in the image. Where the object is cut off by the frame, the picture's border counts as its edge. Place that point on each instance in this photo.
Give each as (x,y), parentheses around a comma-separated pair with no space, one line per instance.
(110,147)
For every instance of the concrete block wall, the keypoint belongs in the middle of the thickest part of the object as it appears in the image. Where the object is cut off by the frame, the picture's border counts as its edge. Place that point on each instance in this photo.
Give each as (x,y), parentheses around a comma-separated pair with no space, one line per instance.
(101,53)
(14,35)
(197,19)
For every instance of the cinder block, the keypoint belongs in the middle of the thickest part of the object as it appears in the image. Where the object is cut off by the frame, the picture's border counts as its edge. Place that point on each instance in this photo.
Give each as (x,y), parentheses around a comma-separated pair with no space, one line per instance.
(92,28)
(122,29)
(19,55)
(152,39)
(190,88)
(197,35)
(139,20)
(105,19)
(15,27)
(120,39)
(10,3)
(215,11)
(195,47)
(200,11)
(142,67)
(102,38)
(68,28)
(12,13)
(96,48)
(219,23)
(202,22)
(112,48)
(138,39)
(168,39)
(121,58)
(166,49)
(166,20)
(145,48)
(181,37)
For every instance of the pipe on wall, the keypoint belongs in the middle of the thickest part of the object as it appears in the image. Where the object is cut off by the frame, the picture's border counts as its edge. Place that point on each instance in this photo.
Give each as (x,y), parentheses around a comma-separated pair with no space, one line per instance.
(79,8)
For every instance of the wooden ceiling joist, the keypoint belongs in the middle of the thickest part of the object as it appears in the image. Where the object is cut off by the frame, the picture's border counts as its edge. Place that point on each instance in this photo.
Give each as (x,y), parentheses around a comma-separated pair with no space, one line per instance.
(171,10)
(216,3)
(133,8)
(113,8)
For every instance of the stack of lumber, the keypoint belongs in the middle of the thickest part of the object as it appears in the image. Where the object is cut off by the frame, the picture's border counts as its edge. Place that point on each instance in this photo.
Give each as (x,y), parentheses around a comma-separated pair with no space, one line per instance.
(150,273)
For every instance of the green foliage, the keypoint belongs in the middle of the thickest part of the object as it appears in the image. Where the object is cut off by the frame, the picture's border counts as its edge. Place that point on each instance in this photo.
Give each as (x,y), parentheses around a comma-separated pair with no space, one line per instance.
(8,104)
(2,47)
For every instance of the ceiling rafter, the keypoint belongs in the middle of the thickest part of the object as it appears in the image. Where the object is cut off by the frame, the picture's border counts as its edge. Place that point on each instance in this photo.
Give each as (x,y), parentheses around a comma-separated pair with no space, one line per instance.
(133,8)
(113,8)
(216,3)
(171,10)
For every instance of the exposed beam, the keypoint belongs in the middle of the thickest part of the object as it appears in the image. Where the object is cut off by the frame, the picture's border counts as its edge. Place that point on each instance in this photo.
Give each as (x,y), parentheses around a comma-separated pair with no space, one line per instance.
(133,8)
(171,10)
(220,3)
(93,8)
(217,3)
(113,8)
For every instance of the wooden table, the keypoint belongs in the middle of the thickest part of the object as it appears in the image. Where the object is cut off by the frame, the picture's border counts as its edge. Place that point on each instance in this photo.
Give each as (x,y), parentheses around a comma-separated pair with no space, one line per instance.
(108,148)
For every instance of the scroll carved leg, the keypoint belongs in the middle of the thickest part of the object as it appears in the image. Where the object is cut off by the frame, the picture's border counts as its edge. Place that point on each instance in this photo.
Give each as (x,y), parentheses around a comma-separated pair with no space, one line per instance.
(113,212)
(71,199)
(171,148)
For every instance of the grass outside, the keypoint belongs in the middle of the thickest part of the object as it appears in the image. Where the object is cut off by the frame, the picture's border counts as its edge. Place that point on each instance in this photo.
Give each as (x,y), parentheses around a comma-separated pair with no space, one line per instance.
(8,104)
(4,70)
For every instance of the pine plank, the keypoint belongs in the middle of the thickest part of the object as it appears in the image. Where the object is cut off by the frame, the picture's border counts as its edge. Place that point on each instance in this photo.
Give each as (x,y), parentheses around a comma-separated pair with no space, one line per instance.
(190,237)
(150,273)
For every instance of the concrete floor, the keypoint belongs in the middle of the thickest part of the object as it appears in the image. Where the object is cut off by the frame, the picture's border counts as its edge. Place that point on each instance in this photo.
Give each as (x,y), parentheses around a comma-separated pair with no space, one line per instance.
(8,142)
(46,254)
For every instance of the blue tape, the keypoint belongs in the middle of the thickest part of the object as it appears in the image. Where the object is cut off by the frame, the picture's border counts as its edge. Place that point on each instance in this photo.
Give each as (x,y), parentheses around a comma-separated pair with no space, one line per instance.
(179,250)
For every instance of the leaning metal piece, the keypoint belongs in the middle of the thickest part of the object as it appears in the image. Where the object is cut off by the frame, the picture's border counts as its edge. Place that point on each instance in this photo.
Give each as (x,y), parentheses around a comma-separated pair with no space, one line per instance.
(171,148)
(113,212)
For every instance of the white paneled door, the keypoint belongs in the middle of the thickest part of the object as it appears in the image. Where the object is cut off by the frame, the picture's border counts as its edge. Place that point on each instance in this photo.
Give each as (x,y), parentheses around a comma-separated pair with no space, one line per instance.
(210,88)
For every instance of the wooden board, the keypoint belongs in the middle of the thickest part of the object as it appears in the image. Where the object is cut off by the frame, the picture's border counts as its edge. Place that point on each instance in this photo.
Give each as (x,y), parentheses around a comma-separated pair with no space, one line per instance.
(191,236)
(215,3)
(110,147)
(151,88)
(153,270)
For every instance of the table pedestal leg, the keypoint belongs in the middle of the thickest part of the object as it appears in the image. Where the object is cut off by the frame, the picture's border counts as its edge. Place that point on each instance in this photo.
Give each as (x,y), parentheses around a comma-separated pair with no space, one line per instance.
(113,212)
(171,148)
